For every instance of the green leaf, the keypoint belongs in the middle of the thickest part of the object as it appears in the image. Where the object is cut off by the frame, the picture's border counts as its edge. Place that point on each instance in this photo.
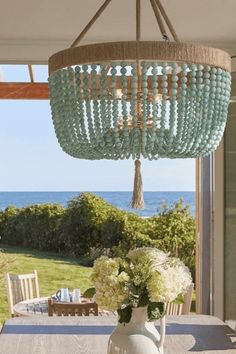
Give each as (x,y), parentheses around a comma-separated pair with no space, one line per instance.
(179,300)
(143,299)
(125,314)
(155,310)
(89,293)
(126,301)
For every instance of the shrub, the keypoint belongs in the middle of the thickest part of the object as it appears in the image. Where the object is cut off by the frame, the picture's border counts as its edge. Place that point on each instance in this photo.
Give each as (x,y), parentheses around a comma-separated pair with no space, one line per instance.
(174,229)
(35,226)
(90,222)
(8,232)
(92,226)
(135,233)
(89,226)
(171,230)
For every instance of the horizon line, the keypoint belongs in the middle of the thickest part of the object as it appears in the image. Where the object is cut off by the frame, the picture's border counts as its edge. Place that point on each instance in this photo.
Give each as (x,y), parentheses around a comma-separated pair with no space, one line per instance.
(92,191)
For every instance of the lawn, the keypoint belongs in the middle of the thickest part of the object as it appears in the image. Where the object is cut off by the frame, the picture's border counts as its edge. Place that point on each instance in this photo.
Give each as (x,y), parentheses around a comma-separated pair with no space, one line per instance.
(54,272)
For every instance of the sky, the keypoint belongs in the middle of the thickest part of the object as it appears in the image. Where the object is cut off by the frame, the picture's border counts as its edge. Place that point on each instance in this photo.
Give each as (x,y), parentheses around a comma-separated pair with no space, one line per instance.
(32,160)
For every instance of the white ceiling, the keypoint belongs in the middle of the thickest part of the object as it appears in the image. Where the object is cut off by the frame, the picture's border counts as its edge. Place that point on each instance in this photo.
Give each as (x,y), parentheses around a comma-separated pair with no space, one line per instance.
(32,30)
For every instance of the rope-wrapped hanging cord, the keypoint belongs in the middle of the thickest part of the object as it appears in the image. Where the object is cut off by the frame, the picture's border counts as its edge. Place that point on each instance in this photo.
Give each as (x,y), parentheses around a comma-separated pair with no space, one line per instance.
(161,15)
(159,19)
(167,20)
(137,199)
(91,22)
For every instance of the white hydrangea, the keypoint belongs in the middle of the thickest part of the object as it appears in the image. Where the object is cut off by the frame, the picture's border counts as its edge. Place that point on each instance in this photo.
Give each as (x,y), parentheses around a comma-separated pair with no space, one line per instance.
(155,255)
(123,277)
(164,278)
(143,260)
(110,286)
(169,281)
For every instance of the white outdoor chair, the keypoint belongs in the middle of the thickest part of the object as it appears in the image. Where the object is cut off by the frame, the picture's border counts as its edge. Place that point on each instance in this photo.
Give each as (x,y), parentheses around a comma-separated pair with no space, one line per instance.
(181,309)
(21,287)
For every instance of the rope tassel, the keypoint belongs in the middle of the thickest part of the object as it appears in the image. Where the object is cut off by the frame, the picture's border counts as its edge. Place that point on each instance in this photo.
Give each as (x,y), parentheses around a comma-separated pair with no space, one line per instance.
(137,199)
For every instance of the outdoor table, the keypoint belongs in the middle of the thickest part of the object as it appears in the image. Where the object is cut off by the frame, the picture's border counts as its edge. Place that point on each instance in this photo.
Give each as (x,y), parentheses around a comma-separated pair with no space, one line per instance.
(89,335)
(36,306)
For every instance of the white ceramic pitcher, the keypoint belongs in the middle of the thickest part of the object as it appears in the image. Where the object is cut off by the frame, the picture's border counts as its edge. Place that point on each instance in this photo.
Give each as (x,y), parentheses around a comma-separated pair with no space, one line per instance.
(138,336)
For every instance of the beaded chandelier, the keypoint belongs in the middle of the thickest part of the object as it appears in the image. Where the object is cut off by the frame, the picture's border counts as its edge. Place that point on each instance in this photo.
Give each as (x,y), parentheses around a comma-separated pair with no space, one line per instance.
(136,99)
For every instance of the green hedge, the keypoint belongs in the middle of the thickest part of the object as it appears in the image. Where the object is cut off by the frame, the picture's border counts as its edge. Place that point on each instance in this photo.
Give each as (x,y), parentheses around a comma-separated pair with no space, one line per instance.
(36,226)
(89,226)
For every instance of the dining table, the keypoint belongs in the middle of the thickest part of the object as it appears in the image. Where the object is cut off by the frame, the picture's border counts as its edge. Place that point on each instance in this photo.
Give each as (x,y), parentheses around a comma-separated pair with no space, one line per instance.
(89,335)
(30,307)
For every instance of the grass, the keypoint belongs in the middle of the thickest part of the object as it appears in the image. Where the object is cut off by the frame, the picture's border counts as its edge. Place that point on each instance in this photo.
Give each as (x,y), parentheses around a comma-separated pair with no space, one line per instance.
(54,272)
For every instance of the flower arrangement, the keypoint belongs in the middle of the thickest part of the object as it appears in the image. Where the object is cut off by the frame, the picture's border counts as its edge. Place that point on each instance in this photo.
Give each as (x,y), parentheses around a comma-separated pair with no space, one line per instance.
(146,277)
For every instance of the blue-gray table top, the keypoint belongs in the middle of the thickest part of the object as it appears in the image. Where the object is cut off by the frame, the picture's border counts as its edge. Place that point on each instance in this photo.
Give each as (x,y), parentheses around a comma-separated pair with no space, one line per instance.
(87,335)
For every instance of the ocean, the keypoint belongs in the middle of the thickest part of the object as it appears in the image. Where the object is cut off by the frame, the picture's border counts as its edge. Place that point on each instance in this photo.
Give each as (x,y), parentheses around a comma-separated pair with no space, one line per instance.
(121,200)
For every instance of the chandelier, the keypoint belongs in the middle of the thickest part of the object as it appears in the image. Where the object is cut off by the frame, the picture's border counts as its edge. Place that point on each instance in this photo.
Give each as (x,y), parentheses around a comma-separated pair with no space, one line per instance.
(139,99)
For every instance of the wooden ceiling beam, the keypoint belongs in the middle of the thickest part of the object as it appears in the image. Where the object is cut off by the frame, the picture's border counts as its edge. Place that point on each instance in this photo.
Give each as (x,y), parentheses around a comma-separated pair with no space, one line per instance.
(24,90)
